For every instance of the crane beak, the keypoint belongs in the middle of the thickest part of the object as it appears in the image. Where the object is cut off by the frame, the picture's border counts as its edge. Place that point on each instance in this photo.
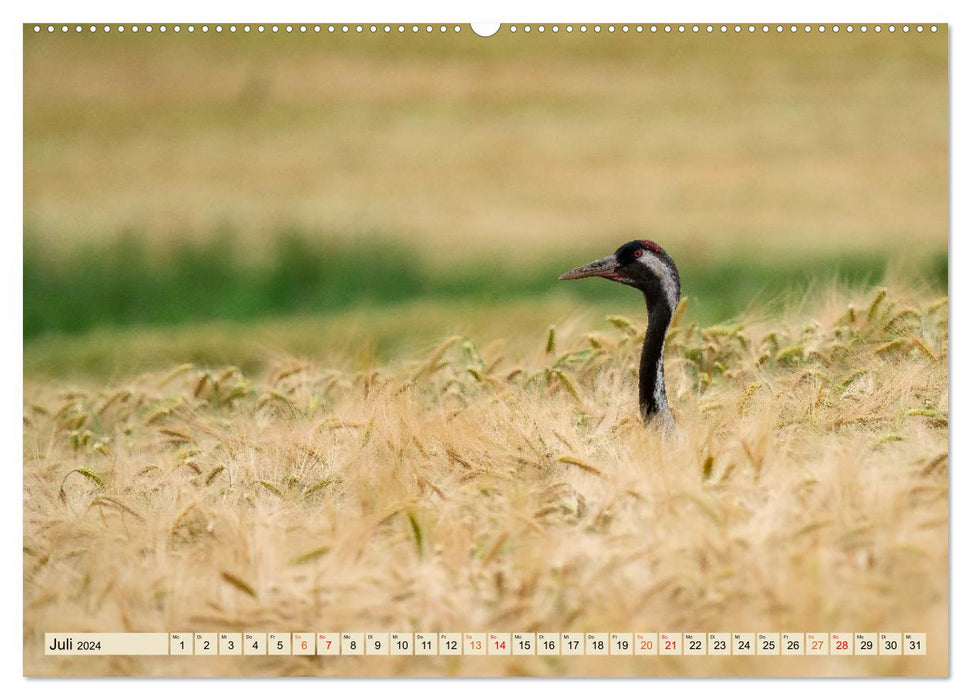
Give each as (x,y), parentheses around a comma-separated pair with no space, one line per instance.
(605,267)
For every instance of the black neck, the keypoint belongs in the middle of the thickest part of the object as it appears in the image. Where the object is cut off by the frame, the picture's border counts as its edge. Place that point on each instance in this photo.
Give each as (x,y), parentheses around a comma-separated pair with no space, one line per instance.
(652,395)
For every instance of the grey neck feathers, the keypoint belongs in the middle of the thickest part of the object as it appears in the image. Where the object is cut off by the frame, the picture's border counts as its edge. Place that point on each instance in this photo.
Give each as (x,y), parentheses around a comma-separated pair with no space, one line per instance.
(653,399)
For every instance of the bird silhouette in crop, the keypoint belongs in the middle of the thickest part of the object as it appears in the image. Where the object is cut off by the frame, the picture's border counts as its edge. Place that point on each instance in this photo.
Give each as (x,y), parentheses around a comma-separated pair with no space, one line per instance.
(645,266)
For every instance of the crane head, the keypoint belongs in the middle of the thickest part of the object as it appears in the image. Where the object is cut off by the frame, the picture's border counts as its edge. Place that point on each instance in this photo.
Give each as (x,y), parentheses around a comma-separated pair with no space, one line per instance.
(643,265)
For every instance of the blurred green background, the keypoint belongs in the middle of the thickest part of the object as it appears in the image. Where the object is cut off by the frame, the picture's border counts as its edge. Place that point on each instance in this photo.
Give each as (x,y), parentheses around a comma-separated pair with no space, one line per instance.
(233,198)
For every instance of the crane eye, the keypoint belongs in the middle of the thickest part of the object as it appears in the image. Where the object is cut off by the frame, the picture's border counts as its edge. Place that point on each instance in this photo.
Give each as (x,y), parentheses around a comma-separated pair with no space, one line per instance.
(639,252)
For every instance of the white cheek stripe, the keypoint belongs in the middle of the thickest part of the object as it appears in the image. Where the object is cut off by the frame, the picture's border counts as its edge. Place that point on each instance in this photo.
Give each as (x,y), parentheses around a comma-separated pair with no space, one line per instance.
(663,273)
(660,398)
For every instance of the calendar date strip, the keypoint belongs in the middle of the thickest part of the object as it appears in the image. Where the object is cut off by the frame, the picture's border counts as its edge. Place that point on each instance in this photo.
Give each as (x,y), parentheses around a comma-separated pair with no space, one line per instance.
(486,644)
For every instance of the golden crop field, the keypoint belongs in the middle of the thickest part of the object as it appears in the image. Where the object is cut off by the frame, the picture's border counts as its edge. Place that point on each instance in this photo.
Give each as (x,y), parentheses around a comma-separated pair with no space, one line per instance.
(806,489)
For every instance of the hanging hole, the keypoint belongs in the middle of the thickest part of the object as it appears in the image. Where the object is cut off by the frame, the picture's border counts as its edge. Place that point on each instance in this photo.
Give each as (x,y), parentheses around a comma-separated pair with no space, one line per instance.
(485,28)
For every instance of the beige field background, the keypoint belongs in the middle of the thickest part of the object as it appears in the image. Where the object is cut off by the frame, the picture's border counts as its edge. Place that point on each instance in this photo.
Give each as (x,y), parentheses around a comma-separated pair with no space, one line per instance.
(789,143)
(462,465)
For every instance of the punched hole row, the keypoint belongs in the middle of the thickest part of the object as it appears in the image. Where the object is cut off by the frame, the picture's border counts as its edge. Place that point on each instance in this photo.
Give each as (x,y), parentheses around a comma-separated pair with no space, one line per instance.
(442,29)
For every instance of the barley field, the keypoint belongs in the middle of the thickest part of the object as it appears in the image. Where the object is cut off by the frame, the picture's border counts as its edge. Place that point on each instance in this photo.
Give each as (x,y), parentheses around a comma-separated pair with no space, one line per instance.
(466,489)
(296,357)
